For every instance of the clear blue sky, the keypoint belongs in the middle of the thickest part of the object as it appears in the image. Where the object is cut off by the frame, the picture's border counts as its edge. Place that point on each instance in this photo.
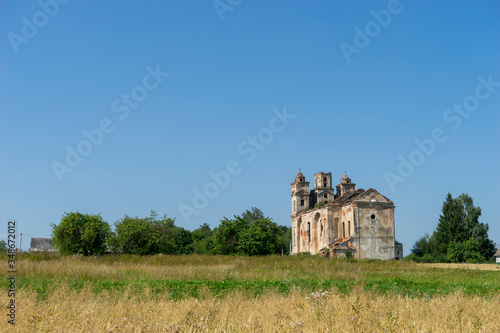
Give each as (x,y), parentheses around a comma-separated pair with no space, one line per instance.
(359,110)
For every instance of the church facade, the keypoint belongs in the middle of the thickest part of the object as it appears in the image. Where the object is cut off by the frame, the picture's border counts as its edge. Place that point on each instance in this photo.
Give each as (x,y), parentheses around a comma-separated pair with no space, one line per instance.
(342,221)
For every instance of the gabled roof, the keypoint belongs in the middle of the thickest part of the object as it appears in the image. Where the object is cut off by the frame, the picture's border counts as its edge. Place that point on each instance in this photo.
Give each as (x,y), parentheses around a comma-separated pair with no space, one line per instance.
(41,244)
(349,196)
(497,254)
(361,195)
(372,194)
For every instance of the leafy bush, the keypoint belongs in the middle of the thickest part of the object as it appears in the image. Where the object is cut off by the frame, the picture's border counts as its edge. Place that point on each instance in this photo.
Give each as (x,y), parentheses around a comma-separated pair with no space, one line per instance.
(202,240)
(183,241)
(150,235)
(286,238)
(426,258)
(227,234)
(260,238)
(81,234)
(3,246)
(319,204)
(249,234)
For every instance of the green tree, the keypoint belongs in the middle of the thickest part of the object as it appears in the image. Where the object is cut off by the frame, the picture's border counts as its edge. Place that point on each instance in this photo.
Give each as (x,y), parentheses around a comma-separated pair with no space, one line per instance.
(423,246)
(467,251)
(260,238)
(202,239)
(3,246)
(252,215)
(250,234)
(450,225)
(459,236)
(183,241)
(149,235)
(226,236)
(286,237)
(81,233)
(476,233)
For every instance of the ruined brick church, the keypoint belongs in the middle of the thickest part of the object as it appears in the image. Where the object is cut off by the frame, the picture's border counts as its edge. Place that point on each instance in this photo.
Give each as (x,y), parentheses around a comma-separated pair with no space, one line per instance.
(344,221)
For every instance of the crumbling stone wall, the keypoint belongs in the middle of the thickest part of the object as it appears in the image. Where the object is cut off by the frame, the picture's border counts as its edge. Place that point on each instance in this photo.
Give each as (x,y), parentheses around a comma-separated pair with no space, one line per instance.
(375,237)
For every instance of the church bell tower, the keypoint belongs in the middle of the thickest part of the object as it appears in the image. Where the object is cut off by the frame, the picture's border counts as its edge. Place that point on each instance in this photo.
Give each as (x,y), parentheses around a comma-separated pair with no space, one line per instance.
(300,194)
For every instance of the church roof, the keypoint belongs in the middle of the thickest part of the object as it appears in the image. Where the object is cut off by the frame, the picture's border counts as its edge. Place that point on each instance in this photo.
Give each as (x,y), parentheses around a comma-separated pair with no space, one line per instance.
(350,196)
(358,194)
(374,193)
(497,254)
(345,179)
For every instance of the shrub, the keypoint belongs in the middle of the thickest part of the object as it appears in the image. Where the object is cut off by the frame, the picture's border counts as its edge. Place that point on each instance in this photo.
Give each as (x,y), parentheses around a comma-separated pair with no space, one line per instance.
(81,234)
(149,235)
(319,204)
(3,246)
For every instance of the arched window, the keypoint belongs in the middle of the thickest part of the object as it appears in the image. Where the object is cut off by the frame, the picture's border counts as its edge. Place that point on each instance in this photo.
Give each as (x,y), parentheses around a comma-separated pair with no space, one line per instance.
(317,224)
(343,230)
(349,228)
(309,231)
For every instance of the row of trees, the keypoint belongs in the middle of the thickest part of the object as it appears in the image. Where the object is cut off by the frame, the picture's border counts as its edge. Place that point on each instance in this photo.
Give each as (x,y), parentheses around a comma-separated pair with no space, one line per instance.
(249,234)
(459,236)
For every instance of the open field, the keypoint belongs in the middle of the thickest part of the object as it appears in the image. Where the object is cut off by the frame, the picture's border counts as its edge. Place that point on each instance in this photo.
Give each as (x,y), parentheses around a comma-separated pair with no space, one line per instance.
(483,267)
(300,293)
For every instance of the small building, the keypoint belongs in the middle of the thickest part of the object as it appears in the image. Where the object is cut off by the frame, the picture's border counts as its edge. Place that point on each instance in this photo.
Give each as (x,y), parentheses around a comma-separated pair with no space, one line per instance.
(497,256)
(399,251)
(41,245)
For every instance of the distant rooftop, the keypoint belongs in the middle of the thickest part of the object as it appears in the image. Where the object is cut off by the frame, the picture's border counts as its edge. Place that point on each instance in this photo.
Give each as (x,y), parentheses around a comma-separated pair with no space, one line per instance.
(41,245)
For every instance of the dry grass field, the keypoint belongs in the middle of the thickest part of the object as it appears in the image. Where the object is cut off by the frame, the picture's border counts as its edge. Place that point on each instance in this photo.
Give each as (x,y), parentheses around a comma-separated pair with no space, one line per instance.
(67,310)
(483,267)
(249,294)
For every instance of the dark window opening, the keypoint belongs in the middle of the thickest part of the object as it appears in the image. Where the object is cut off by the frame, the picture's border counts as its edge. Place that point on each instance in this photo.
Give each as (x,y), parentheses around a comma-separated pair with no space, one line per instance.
(373,216)
(325,195)
(302,202)
(324,182)
(343,230)
(309,231)
(349,228)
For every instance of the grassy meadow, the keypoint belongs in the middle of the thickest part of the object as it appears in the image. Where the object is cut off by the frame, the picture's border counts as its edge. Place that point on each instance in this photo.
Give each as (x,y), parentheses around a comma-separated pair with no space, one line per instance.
(194,293)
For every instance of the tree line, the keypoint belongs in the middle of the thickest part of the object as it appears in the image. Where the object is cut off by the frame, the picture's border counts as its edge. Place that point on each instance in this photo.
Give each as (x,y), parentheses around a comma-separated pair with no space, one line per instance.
(458,237)
(250,233)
